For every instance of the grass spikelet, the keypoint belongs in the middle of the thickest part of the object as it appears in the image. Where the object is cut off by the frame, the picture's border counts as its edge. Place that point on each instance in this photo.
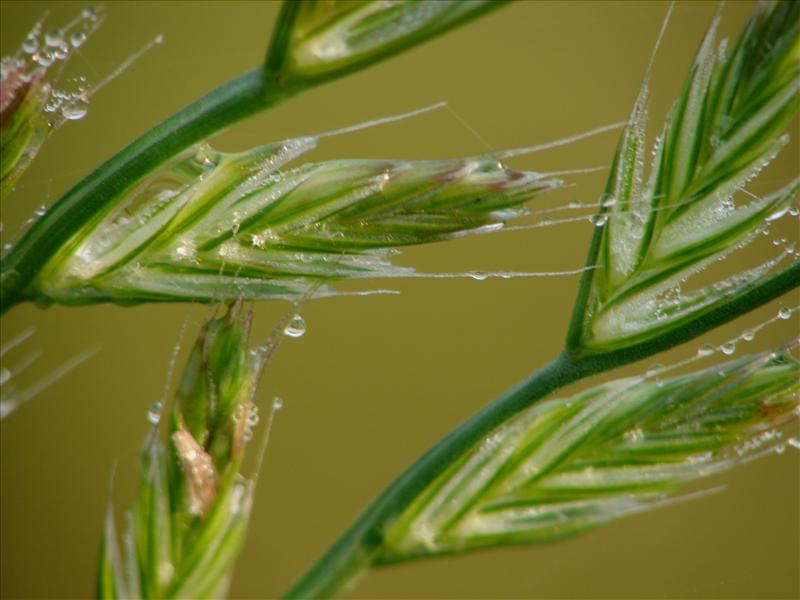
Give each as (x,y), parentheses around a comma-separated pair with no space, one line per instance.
(190,518)
(33,102)
(567,465)
(213,225)
(722,131)
(30,105)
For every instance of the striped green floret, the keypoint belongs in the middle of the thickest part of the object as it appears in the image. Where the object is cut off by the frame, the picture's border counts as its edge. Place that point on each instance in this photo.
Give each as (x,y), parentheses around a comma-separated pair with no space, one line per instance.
(323,39)
(567,465)
(191,516)
(211,225)
(723,130)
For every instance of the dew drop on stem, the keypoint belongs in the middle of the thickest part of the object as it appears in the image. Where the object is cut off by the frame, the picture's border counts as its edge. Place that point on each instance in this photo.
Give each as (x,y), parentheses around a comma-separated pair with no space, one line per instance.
(277,403)
(74,111)
(599,220)
(654,370)
(728,348)
(54,38)
(44,58)
(252,416)
(89,13)
(77,39)
(154,414)
(784,313)
(30,45)
(295,328)
(778,213)
(705,350)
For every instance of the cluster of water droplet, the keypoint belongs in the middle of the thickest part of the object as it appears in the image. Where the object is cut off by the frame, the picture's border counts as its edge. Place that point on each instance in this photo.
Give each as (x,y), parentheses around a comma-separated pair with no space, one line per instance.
(766,439)
(70,105)
(252,421)
(56,46)
(668,302)
(633,435)
(249,412)
(728,348)
(58,43)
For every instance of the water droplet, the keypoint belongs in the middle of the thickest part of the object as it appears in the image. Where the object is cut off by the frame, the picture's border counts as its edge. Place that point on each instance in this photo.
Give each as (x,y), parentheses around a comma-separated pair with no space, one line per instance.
(89,13)
(794,443)
(706,350)
(5,375)
(699,458)
(599,220)
(154,413)
(728,348)
(575,204)
(296,327)
(785,313)
(633,435)
(43,58)
(778,213)
(75,111)
(61,52)
(479,275)
(54,38)
(609,202)
(240,499)
(186,250)
(277,403)
(205,156)
(654,369)
(748,335)
(77,39)
(794,211)
(30,45)
(780,449)
(252,416)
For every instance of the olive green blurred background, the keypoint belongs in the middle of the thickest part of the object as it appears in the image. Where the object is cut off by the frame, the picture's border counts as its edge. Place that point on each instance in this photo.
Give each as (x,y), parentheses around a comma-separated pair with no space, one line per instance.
(377,380)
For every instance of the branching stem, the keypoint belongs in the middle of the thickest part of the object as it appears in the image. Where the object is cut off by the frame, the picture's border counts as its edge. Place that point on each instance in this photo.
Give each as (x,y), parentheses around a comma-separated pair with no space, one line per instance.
(356,549)
(239,98)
